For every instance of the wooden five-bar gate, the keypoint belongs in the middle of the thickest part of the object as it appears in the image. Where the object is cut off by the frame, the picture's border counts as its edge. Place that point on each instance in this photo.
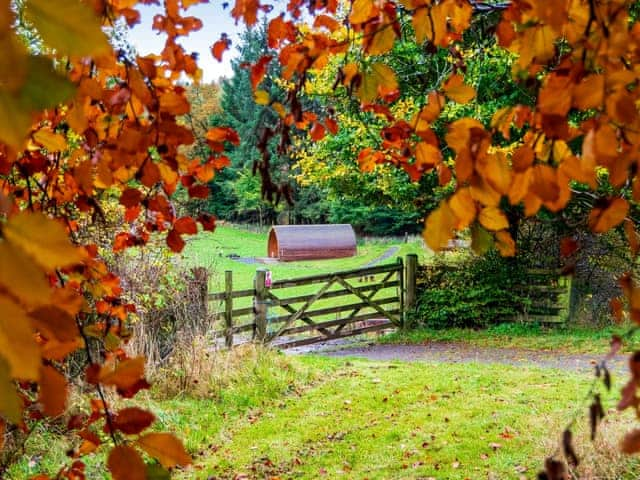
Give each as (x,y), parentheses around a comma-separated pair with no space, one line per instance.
(316,308)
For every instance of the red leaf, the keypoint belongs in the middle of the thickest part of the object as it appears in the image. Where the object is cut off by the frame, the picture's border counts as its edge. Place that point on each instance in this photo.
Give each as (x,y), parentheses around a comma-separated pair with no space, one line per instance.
(259,70)
(175,241)
(208,222)
(568,246)
(130,197)
(132,420)
(186,225)
(199,191)
(318,132)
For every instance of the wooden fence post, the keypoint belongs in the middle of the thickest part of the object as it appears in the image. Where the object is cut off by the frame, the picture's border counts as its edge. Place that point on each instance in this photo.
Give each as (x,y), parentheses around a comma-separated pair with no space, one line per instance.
(228,308)
(260,305)
(411,269)
(401,297)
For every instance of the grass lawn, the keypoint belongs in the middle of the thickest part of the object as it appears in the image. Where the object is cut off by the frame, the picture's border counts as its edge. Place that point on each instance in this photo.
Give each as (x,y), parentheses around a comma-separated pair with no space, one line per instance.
(399,420)
(275,416)
(569,339)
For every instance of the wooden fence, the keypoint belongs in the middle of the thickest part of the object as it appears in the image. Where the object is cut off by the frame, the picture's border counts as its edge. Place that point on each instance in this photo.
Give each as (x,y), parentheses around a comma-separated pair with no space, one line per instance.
(306,310)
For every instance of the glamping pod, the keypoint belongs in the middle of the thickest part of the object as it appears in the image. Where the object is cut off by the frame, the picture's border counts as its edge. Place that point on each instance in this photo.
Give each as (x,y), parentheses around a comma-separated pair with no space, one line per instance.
(311,242)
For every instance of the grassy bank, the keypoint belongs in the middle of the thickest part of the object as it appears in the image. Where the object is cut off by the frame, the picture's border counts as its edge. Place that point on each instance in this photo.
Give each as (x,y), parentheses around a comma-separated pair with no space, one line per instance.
(568,339)
(273,416)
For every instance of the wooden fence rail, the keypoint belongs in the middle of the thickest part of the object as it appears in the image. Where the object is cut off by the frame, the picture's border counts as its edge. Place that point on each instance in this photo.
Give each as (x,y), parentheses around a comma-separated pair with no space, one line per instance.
(281,306)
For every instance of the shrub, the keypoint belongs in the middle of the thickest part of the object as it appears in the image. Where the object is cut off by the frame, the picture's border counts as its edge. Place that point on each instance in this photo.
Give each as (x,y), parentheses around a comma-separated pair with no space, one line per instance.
(474,291)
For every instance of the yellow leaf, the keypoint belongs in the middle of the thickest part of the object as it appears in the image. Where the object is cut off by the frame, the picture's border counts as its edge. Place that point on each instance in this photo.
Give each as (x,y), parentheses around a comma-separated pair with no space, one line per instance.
(481,240)
(15,120)
(10,404)
(165,448)
(380,76)
(456,90)
(492,218)
(53,142)
(440,227)
(427,156)
(43,239)
(464,207)
(17,342)
(497,173)
(68,26)
(505,244)
(360,11)
(22,277)
(261,97)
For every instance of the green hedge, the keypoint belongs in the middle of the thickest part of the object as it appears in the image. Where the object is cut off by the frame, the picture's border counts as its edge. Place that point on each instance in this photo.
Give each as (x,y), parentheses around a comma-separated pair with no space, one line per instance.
(474,291)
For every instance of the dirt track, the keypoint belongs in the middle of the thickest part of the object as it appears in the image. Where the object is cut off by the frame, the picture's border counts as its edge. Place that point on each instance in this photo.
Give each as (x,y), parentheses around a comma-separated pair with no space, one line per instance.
(458,352)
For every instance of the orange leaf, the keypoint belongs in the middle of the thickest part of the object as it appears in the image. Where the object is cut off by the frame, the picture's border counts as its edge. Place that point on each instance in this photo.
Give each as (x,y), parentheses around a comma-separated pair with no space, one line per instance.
(165,448)
(464,207)
(505,244)
(223,134)
(124,375)
(440,227)
(456,90)
(55,322)
(427,156)
(125,463)
(220,47)
(492,218)
(53,391)
(604,219)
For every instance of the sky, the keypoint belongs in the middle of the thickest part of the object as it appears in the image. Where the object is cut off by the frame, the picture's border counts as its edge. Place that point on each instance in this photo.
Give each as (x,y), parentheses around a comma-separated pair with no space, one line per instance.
(216,21)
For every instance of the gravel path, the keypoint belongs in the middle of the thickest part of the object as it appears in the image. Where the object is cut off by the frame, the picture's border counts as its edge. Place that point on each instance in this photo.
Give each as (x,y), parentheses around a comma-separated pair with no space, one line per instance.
(387,254)
(458,352)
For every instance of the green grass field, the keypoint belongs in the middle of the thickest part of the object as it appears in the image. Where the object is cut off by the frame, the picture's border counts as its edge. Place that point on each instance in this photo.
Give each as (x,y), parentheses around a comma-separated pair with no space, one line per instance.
(568,339)
(378,420)
(212,249)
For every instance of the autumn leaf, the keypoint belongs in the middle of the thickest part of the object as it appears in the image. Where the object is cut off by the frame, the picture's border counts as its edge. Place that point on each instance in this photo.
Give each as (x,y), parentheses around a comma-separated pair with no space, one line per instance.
(220,47)
(440,226)
(10,403)
(175,241)
(505,244)
(124,375)
(53,391)
(22,277)
(602,219)
(631,442)
(261,97)
(132,420)
(69,26)
(53,142)
(456,90)
(43,239)
(125,463)
(186,225)
(165,448)
(17,341)
(464,207)
(492,218)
